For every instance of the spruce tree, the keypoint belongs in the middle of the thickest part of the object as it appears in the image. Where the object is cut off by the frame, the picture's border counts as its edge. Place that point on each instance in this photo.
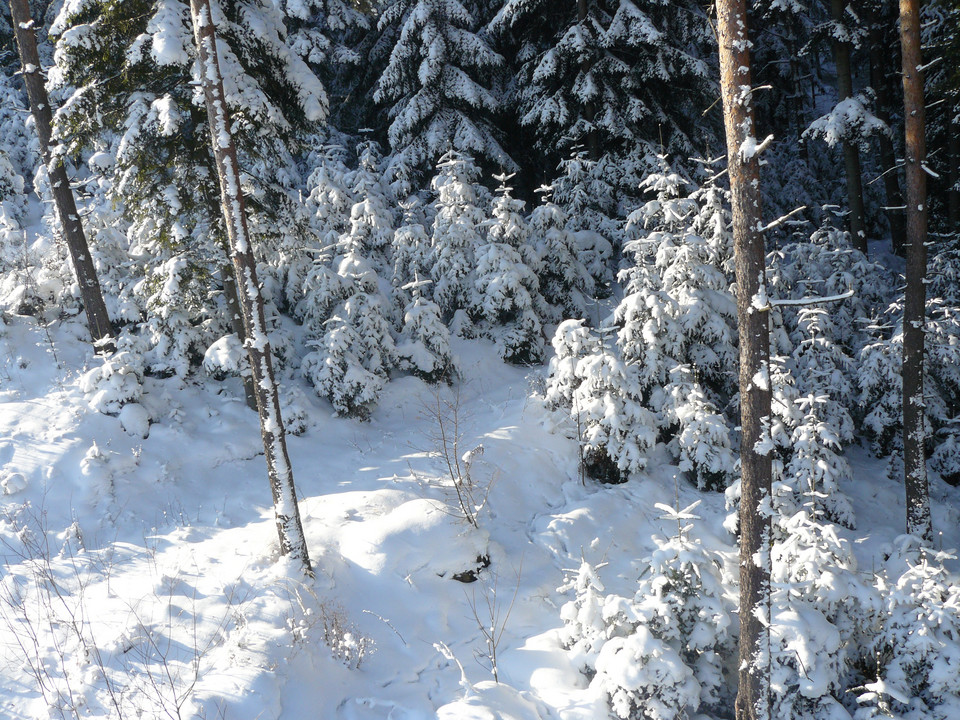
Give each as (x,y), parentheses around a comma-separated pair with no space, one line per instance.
(507,292)
(437,84)
(565,283)
(456,232)
(129,71)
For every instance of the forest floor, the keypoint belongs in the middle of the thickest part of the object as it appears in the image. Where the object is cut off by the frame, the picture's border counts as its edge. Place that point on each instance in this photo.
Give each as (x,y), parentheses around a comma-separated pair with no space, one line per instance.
(140,575)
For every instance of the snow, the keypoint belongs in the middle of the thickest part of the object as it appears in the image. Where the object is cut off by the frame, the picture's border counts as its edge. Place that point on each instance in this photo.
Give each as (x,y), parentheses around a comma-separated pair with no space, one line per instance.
(140,546)
(171,535)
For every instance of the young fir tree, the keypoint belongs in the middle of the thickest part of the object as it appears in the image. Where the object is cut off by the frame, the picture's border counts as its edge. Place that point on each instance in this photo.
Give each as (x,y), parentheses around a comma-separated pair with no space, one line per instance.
(411,254)
(437,84)
(661,654)
(129,69)
(589,202)
(424,344)
(675,322)
(456,232)
(371,220)
(354,346)
(565,283)
(507,292)
(912,655)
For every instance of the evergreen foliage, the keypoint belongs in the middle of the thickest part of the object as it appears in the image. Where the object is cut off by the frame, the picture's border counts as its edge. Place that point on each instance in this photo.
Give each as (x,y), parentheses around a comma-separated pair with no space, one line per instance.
(507,289)
(127,68)
(437,84)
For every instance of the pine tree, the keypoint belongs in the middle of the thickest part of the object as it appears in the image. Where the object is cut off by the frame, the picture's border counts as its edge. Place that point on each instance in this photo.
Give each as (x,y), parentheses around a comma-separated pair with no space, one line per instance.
(129,71)
(437,84)
(507,290)
(608,75)
(456,232)
(743,167)
(98,320)
(565,282)
(914,435)
(279,471)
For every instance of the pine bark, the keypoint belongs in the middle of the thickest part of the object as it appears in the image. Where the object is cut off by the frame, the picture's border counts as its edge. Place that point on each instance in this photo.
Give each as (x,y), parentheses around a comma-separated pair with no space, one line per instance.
(279,470)
(851,154)
(914,311)
(98,321)
(888,158)
(753,698)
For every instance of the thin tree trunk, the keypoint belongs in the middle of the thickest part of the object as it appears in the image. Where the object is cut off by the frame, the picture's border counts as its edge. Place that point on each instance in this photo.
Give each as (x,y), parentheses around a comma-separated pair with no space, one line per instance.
(888,158)
(851,154)
(289,527)
(589,109)
(953,173)
(914,315)
(235,311)
(98,321)
(753,698)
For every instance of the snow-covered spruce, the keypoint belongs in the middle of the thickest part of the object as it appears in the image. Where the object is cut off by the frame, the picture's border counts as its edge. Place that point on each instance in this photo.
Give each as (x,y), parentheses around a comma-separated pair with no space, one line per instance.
(565,282)
(507,299)
(128,72)
(913,655)
(355,351)
(424,344)
(616,433)
(660,655)
(456,233)
(437,84)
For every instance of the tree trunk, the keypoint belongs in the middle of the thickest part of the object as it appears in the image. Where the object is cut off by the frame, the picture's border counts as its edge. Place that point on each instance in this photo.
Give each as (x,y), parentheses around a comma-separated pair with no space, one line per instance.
(953,173)
(851,154)
(888,158)
(235,311)
(914,308)
(753,698)
(289,527)
(589,109)
(98,321)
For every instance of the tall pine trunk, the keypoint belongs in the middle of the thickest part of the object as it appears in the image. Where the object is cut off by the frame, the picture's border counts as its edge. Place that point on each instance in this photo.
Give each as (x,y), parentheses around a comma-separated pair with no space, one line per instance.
(914,310)
(851,154)
(953,173)
(888,159)
(98,321)
(753,698)
(289,527)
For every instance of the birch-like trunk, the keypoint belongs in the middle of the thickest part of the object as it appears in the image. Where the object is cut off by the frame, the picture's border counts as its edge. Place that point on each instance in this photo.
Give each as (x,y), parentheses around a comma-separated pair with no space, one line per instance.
(98,321)
(289,527)
(753,698)
(914,307)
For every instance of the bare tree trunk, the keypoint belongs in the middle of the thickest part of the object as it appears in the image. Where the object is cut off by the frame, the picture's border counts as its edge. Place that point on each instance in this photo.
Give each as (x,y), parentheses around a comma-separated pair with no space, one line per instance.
(953,173)
(235,311)
(753,698)
(98,321)
(287,513)
(589,110)
(914,310)
(888,158)
(851,154)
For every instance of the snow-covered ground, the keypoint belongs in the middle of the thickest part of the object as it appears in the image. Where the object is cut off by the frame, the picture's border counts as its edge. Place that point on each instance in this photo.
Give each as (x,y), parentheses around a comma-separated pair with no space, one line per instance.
(141,578)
